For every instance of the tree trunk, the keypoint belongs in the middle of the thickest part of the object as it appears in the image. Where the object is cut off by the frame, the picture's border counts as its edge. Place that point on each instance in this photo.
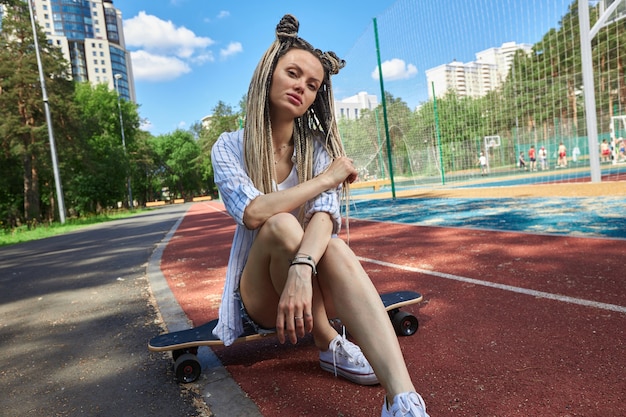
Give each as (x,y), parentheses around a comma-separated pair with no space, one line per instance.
(32,206)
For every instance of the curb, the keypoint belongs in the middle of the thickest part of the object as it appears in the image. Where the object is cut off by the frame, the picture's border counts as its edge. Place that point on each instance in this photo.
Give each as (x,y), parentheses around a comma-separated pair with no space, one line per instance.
(219,390)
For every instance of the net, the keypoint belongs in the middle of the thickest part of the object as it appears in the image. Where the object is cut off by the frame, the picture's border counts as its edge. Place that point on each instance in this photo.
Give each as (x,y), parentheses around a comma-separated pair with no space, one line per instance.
(455,73)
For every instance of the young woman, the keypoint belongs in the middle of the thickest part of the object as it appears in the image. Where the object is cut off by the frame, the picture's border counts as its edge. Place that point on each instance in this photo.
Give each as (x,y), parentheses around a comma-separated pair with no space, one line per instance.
(280,179)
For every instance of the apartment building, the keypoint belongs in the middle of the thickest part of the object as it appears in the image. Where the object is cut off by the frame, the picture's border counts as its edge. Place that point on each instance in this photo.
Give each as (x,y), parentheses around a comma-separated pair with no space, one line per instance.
(351,107)
(91,37)
(476,78)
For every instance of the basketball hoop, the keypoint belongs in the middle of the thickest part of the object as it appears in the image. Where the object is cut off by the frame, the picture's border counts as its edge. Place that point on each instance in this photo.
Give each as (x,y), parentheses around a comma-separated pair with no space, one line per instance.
(492,141)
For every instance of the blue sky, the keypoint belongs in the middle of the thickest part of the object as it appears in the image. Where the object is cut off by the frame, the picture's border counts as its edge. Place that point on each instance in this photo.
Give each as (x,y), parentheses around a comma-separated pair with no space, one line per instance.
(189,54)
(213,48)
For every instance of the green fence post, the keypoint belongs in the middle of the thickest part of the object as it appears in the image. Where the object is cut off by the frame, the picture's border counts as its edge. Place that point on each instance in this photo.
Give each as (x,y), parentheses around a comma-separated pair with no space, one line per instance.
(438,133)
(384,103)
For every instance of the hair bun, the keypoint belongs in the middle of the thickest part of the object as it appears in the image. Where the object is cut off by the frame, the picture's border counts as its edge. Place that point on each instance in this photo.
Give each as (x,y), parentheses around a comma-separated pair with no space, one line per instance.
(331,62)
(287,28)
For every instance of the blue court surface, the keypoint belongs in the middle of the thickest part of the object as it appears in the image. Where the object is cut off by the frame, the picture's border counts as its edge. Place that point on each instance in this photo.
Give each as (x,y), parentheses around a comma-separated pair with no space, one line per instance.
(575,216)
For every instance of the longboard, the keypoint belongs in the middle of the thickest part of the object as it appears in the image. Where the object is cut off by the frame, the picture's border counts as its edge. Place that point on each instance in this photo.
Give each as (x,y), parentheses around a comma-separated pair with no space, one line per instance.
(184,344)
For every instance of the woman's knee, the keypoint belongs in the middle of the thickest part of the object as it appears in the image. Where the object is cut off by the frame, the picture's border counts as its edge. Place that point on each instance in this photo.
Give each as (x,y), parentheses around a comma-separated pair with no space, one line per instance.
(281,227)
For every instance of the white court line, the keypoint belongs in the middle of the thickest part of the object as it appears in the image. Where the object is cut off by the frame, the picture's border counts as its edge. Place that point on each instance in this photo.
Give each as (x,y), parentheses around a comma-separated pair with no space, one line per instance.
(519,290)
(526,291)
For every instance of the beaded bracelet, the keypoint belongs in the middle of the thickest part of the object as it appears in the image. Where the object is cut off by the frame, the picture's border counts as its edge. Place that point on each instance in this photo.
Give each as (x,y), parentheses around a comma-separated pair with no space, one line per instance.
(304,260)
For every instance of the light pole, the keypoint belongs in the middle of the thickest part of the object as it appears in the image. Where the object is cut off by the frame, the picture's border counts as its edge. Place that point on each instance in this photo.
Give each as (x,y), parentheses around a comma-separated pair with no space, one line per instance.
(46,104)
(116,78)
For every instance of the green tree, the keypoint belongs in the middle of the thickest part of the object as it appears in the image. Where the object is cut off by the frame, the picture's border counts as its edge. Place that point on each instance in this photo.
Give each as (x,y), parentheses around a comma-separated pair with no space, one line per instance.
(146,181)
(176,155)
(23,127)
(223,119)
(100,177)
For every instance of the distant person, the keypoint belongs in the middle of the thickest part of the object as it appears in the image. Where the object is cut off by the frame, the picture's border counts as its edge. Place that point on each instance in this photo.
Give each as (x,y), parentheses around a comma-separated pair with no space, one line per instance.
(562,156)
(543,158)
(482,161)
(281,178)
(621,146)
(532,157)
(605,151)
(521,162)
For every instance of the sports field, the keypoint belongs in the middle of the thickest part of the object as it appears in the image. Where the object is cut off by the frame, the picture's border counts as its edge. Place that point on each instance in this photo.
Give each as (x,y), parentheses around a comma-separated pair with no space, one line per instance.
(573,209)
(514,322)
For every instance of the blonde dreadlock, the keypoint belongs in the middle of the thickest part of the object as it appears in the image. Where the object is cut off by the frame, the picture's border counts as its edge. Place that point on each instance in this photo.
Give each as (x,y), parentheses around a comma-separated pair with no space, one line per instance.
(317,123)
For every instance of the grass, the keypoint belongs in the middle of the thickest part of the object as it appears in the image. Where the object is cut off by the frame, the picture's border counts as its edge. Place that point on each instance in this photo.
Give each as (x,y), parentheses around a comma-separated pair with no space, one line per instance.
(42,231)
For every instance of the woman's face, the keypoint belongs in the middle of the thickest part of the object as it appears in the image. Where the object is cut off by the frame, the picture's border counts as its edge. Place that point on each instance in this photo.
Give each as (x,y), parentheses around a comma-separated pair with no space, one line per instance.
(297,78)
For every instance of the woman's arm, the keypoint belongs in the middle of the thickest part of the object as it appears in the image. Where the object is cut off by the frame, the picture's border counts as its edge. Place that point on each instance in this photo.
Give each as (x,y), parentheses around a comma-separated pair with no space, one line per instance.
(266,205)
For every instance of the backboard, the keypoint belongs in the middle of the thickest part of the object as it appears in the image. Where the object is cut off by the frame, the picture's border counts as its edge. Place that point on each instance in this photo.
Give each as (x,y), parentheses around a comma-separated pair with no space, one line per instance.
(492,141)
(618,14)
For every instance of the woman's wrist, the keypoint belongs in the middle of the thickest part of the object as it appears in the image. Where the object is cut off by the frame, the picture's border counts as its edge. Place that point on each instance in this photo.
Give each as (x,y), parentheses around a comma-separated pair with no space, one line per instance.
(304,259)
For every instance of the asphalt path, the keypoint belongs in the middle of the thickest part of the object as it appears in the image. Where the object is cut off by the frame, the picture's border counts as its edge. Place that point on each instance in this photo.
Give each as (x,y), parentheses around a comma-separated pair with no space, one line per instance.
(75,317)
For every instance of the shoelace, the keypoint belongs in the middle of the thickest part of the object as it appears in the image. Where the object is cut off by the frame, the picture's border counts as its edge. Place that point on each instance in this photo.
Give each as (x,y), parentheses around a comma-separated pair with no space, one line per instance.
(351,351)
(408,403)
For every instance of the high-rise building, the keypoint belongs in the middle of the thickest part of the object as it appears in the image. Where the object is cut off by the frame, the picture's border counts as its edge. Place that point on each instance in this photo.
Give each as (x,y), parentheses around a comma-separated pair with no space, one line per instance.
(476,78)
(91,36)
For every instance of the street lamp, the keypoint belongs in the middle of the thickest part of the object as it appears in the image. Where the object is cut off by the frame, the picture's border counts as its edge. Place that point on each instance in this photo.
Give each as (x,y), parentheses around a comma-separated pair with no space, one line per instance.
(46,105)
(116,78)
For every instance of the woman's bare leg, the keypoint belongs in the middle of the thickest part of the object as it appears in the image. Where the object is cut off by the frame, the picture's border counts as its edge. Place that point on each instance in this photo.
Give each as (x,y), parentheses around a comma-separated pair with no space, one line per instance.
(265,274)
(341,288)
(343,280)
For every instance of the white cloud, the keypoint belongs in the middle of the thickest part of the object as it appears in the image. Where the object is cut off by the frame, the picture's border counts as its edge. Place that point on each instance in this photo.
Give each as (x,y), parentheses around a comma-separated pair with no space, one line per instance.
(223,14)
(151,67)
(148,32)
(163,51)
(206,56)
(233,48)
(396,69)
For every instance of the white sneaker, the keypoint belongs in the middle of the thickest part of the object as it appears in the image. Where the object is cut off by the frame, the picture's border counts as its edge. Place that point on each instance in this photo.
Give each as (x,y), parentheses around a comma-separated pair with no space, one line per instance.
(407,404)
(346,359)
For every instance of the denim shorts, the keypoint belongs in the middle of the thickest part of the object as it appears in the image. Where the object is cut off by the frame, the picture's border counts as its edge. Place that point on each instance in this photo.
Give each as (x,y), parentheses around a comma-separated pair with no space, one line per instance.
(249,325)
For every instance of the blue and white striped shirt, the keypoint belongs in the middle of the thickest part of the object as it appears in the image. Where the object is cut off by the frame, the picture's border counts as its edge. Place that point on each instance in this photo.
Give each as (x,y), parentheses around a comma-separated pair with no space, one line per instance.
(237,191)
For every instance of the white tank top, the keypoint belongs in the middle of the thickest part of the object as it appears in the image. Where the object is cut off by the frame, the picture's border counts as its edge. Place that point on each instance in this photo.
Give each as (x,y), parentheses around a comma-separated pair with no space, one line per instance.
(290,181)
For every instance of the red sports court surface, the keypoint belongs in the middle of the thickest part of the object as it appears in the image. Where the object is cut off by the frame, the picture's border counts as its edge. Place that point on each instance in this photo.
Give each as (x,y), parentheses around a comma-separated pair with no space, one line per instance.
(512,323)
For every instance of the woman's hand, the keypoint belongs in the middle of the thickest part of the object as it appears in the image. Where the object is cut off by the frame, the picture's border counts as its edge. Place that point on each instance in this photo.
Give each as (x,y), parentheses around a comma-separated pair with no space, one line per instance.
(294,307)
(342,169)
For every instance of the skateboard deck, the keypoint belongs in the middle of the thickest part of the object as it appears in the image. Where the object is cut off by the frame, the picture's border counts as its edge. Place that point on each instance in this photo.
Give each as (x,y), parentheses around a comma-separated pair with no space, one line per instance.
(184,344)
